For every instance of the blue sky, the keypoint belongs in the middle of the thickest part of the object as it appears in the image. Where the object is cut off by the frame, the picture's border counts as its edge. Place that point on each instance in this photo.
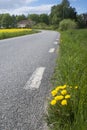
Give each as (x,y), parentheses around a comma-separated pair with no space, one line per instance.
(37,6)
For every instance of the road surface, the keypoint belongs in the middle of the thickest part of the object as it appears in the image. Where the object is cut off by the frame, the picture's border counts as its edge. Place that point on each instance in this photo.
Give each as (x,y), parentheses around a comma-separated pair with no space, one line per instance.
(26,65)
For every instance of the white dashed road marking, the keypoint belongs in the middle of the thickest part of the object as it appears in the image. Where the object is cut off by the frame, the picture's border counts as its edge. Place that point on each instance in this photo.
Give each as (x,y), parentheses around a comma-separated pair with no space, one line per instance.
(51,50)
(55,43)
(35,80)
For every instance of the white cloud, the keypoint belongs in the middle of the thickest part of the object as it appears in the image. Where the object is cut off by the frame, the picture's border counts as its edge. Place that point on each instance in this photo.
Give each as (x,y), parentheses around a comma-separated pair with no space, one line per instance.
(6,4)
(28,9)
(30,1)
(23,7)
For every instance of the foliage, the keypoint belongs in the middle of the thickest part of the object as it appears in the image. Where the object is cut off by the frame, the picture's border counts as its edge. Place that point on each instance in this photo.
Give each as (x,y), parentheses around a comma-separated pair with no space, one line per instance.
(34,17)
(67,24)
(40,26)
(82,23)
(44,18)
(14,21)
(6,20)
(71,70)
(62,11)
(1,20)
(20,17)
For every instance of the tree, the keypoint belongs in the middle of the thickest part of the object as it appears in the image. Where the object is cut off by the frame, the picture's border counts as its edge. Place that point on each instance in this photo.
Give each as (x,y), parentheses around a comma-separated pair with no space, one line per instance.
(62,11)
(65,3)
(82,20)
(44,18)
(56,14)
(6,20)
(84,15)
(14,21)
(1,20)
(20,17)
(34,17)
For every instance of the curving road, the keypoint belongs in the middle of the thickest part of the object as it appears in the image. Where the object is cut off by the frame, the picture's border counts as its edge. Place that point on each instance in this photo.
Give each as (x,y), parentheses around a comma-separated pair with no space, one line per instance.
(26,65)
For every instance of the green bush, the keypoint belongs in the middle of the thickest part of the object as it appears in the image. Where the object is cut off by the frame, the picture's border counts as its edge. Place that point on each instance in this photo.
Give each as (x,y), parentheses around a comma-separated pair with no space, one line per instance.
(67,24)
(40,26)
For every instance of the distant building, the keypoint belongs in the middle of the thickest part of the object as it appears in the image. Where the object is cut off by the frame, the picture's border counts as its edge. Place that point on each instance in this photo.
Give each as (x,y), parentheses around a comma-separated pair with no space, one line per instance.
(25,23)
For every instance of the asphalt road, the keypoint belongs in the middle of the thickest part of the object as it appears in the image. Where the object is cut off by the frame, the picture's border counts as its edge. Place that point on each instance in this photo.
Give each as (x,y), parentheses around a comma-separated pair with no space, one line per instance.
(26,65)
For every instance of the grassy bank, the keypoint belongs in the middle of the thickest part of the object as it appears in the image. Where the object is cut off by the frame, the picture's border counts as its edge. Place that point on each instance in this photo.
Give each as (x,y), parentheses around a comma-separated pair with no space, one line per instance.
(8,33)
(68,107)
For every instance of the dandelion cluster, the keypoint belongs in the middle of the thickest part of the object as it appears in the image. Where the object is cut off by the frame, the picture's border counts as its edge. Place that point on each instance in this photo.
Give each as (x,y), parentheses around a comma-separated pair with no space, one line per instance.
(61,95)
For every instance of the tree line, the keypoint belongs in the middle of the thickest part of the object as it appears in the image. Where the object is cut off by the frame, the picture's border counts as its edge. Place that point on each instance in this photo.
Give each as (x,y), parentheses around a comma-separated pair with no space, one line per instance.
(8,21)
(58,13)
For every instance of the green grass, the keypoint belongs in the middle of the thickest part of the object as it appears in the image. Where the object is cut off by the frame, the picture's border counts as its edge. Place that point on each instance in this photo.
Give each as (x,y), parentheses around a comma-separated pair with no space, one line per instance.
(71,69)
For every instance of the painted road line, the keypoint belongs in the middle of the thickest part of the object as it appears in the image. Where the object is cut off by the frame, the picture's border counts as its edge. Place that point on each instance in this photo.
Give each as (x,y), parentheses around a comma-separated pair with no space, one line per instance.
(51,50)
(55,43)
(57,39)
(35,80)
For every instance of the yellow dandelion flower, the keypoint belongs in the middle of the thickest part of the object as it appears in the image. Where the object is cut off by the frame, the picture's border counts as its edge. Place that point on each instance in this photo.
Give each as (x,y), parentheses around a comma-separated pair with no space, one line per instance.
(57,88)
(76,87)
(65,86)
(57,98)
(64,102)
(67,96)
(61,87)
(53,102)
(54,92)
(64,92)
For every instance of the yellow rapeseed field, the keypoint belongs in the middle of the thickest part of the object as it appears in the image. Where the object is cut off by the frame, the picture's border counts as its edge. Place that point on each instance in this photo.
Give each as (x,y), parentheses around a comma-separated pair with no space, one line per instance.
(7,33)
(14,30)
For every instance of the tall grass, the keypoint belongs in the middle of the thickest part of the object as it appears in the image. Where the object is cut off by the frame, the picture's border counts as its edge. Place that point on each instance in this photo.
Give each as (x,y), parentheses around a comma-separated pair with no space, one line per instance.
(71,69)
